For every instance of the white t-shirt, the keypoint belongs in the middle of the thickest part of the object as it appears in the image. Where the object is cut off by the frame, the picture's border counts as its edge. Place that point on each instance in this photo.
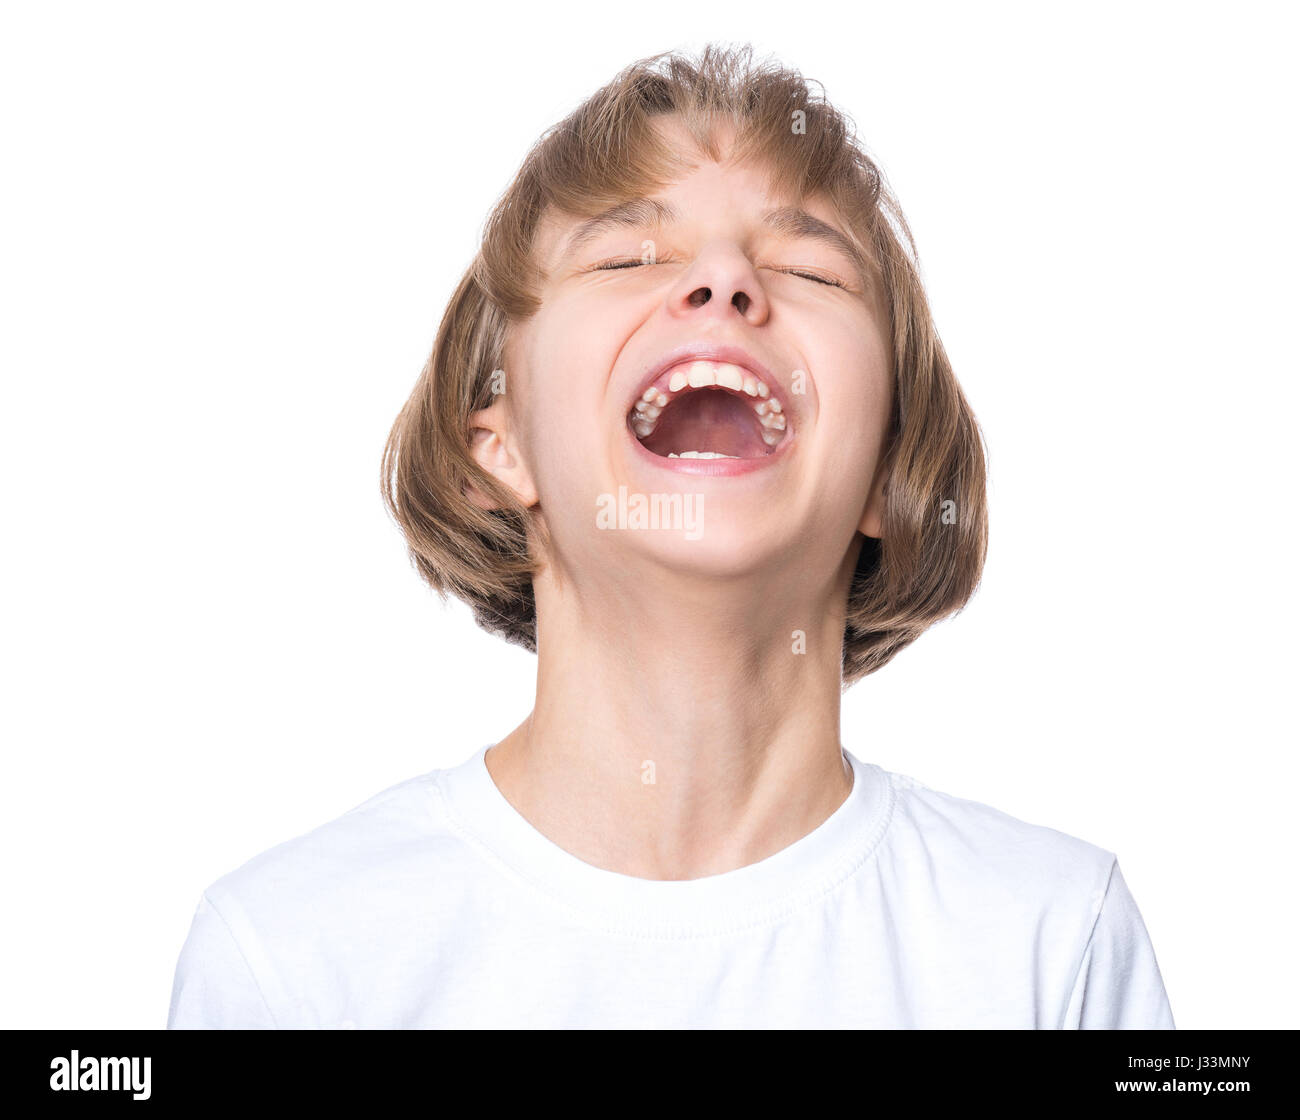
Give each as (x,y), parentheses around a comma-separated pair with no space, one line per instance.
(436,904)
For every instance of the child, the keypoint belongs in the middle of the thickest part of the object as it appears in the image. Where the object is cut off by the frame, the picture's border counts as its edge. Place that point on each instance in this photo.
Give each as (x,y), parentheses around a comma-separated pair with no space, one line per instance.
(689,434)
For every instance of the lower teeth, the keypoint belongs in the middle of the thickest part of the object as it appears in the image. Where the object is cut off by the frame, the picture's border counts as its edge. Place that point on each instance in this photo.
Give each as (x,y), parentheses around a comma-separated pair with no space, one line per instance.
(701,455)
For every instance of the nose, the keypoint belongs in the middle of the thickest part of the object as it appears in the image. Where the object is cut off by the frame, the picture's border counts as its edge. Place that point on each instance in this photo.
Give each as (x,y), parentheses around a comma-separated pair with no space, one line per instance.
(721,283)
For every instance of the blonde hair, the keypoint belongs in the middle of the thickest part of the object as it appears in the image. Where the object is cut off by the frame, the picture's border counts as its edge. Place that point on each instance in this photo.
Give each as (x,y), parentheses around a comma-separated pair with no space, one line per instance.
(930,555)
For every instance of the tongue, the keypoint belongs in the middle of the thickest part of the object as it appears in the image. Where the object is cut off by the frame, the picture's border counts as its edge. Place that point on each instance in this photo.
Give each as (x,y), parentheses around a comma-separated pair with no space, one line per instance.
(708,420)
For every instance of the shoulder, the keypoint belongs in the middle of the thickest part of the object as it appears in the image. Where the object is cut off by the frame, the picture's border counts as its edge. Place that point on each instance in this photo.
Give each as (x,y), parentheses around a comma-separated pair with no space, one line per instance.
(976,848)
(1035,915)
(266,936)
(347,865)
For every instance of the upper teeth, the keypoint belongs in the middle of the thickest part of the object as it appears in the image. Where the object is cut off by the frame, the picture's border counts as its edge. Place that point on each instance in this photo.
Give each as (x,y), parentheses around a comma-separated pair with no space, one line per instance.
(701,375)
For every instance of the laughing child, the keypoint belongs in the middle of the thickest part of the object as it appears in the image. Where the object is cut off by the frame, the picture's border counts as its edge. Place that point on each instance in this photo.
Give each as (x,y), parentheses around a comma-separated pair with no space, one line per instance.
(689,434)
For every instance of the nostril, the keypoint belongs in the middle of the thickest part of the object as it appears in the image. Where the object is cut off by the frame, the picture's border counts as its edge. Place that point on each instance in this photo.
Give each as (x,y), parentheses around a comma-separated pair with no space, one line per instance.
(741,302)
(700,297)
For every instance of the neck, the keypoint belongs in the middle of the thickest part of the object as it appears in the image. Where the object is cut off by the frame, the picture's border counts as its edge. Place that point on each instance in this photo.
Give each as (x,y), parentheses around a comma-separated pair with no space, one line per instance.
(681,734)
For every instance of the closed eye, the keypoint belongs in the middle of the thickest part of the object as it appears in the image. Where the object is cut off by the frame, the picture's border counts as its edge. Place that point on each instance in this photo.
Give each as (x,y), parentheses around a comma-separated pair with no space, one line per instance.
(623,262)
(828,280)
(636,262)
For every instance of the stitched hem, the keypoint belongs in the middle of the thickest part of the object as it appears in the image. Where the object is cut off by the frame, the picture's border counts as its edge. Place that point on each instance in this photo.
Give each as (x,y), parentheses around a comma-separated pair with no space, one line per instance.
(243,957)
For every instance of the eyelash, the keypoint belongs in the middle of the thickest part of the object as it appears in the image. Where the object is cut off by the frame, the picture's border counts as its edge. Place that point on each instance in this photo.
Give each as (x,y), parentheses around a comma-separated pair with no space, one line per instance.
(635,262)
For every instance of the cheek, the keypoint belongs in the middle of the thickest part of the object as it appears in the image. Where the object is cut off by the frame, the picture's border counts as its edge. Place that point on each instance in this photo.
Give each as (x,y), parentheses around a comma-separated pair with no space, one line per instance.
(564,390)
(853,415)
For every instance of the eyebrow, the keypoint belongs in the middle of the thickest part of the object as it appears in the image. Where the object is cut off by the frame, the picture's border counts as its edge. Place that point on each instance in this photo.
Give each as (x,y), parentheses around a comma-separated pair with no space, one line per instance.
(642,212)
(794,222)
(648,212)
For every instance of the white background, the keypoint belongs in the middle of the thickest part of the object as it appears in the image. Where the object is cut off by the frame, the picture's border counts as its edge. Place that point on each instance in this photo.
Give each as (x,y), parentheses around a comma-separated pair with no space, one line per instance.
(228,234)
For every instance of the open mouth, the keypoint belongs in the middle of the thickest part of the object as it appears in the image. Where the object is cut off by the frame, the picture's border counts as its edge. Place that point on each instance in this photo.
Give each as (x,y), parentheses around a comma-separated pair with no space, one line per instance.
(709,410)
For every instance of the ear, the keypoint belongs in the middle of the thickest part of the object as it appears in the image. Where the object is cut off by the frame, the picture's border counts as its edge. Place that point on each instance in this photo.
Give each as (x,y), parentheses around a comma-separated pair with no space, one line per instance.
(493,446)
(874,515)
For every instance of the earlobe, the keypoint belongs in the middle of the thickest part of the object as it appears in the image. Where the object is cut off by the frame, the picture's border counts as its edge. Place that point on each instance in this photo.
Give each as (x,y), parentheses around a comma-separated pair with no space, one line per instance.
(873,518)
(492,447)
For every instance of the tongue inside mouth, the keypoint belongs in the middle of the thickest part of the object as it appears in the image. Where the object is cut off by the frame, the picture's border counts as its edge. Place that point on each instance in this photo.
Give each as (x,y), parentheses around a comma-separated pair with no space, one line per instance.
(708,420)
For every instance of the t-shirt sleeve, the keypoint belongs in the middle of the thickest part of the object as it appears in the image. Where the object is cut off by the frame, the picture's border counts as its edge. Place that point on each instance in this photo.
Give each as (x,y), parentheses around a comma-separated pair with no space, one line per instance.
(1118,986)
(214,988)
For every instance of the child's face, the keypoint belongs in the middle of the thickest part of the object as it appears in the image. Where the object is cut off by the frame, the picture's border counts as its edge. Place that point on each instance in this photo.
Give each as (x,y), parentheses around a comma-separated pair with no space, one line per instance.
(714,276)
